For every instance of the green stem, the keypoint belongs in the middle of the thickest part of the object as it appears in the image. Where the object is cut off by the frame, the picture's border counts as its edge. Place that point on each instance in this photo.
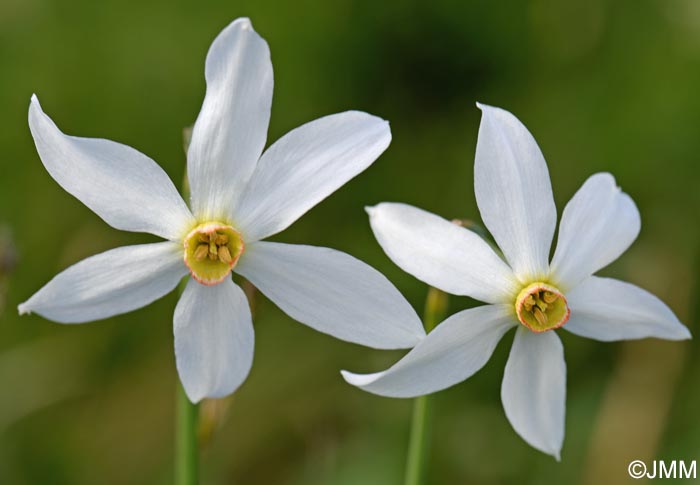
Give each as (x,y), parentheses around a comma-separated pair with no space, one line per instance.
(421,422)
(419,443)
(186,449)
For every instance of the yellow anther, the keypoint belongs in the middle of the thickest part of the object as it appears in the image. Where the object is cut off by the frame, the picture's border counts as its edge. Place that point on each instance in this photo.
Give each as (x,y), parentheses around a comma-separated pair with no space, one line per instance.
(225,255)
(203,237)
(541,305)
(529,303)
(221,239)
(549,297)
(540,316)
(201,252)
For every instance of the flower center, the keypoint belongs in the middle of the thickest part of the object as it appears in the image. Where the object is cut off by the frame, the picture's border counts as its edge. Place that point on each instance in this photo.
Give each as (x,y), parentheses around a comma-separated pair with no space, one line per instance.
(541,307)
(212,250)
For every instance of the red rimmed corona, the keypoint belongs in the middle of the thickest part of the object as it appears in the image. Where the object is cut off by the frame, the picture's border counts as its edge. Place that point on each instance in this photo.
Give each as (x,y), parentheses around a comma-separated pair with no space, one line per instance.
(212,250)
(541,307)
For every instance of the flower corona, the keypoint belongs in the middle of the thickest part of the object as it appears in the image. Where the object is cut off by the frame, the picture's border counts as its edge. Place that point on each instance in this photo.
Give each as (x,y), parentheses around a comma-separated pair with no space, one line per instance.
(541,307)
(211,251)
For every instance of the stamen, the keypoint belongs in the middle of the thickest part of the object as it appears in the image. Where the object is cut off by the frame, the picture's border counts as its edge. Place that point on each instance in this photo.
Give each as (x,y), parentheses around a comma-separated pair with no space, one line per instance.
(540,316)
(549,297)
(201,252)
(224,255)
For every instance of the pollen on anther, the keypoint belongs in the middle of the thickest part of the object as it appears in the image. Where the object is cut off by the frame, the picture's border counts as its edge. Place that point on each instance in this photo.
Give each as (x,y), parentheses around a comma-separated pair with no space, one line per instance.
(201,252)
(540,316)
(224,255)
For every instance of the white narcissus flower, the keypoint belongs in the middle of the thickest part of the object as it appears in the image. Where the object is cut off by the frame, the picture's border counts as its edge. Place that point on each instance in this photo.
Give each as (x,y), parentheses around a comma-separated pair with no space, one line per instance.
(526,291)
(239,196)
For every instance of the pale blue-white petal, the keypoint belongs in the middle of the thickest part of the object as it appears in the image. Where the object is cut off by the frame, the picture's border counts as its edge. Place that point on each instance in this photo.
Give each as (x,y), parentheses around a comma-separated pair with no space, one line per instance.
(513,192)
(305,166)
(214,339)
(452,352)
(534,389)
(114,282)
(333,293)
(442,254)
(598,224)
(121,185)
(231,128)
(607,309)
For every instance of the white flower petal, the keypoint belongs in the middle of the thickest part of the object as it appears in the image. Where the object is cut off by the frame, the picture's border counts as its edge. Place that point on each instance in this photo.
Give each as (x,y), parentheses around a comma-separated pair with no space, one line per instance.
(442,254)
(598,224)
(116,281)
(307,165)
(534,389)
(607,309)
(231,128)
(121,185)
(214,339)
(455,350)
(513,192)
(333,293)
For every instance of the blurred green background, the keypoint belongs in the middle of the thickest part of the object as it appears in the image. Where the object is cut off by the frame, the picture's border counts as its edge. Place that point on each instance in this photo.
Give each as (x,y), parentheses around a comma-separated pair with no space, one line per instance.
(602,86)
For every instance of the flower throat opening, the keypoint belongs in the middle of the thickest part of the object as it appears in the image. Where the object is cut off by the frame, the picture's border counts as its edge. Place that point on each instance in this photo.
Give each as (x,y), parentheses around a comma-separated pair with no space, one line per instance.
(211,251)
(541,307)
